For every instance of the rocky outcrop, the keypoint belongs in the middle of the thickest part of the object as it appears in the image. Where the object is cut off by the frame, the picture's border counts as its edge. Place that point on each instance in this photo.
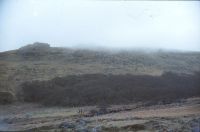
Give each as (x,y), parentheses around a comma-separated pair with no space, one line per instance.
(34,50)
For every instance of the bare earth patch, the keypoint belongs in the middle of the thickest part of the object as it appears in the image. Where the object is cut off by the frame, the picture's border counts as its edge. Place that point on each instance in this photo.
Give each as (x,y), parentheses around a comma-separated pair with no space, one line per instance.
(183,116)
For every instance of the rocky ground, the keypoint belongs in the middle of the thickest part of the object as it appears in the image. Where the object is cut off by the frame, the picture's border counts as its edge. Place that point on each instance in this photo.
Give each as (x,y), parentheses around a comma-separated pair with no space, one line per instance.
(183,116)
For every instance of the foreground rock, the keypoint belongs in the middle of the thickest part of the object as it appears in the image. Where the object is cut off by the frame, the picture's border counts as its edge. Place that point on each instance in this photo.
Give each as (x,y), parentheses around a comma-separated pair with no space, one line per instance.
(6,97)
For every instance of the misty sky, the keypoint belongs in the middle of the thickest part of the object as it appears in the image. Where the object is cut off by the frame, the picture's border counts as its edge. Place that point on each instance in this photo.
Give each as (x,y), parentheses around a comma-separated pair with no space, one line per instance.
(118,24)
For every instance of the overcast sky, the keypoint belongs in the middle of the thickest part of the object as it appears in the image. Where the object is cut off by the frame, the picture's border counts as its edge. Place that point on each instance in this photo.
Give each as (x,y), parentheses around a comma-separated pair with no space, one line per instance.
(118,24)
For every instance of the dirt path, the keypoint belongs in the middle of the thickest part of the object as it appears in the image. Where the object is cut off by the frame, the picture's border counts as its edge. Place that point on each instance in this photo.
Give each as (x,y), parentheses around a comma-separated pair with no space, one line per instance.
(29,116)
(175,111)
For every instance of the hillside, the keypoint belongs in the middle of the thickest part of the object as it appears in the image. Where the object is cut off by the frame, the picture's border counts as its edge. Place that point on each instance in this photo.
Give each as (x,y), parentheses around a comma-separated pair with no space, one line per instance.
(39,61)
(98,89)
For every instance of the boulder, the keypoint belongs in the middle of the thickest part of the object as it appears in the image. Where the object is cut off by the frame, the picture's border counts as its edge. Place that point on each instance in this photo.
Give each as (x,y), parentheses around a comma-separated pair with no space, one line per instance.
(6,97)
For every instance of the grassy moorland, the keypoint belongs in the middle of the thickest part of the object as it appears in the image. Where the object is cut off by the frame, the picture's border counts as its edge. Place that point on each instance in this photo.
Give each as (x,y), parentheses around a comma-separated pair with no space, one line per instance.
(41,62)
(101,90)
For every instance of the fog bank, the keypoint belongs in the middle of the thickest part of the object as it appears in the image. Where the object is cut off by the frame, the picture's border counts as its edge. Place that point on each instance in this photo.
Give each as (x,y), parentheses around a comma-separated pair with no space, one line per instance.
(170,25)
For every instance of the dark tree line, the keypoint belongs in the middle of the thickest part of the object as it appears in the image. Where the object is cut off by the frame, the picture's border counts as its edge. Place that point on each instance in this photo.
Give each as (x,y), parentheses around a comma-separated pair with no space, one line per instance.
(97,89)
